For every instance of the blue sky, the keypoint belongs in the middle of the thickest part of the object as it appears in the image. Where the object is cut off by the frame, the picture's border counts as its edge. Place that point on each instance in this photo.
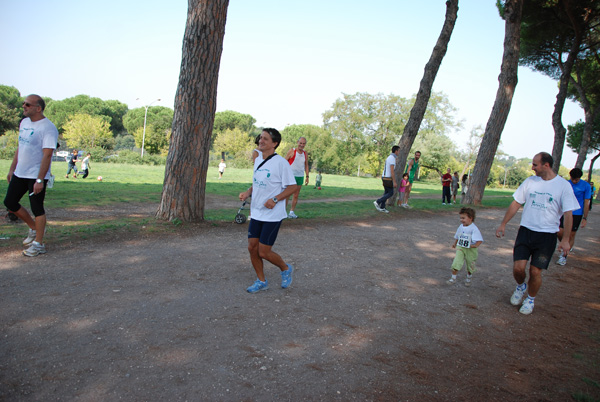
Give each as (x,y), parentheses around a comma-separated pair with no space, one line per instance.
(284,61)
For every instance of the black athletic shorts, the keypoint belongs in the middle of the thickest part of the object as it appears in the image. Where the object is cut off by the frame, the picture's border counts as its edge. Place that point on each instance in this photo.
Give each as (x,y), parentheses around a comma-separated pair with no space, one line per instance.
(576,222)
(19,187)
(539,246)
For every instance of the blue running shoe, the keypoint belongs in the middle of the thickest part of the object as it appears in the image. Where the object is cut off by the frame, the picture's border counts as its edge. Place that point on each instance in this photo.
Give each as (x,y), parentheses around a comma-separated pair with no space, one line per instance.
(286,277)
(258,286)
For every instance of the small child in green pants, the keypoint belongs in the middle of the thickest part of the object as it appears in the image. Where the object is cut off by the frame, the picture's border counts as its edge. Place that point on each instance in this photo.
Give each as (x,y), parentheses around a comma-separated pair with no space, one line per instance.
(466,242)
(318,180)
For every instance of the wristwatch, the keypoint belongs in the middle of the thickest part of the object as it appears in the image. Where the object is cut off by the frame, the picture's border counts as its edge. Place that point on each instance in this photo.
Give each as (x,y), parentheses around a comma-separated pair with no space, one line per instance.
(38,180)
(275,200)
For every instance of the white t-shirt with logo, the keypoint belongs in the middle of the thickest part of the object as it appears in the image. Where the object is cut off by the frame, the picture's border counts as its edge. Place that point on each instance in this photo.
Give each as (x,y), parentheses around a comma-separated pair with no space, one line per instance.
(34,136)
(267,182)
(467,235)
(544,202)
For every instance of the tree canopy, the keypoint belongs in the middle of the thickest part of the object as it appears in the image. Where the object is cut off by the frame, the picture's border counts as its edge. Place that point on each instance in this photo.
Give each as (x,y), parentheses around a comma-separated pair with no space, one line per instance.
(10,108)
(59,112)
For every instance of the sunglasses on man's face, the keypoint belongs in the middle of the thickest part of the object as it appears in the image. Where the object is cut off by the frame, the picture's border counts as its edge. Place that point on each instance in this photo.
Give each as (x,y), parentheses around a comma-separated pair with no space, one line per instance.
(28,104)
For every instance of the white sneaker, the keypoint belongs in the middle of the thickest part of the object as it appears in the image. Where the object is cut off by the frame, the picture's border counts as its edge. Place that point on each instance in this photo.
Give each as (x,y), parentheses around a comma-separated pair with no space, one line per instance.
(562,260)
(467,282)
(384,210)
(34,249)
(292,215)
(30,237)
(451,281)
(377,206)
(527,307)
(517,296)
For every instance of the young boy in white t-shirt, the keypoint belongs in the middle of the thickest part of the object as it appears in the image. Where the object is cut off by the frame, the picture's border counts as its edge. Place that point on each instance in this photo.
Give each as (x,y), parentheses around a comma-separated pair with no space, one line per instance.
(467,240)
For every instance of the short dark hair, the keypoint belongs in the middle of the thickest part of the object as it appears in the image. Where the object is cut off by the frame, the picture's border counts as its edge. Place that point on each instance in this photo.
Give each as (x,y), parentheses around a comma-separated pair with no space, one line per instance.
(275,135)
(470,212)
(257,139)
(575,173)
(395,148)
(546,158)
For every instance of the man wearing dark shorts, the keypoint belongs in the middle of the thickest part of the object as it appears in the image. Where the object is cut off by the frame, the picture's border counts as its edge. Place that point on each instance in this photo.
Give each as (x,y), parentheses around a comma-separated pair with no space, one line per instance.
(545,198)
(30,171)
(583,193)
(272,182)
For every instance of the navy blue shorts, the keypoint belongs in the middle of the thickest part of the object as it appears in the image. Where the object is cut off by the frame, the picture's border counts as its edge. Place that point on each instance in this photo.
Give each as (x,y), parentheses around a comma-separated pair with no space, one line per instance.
(17,188)
(538,245)
(265,232)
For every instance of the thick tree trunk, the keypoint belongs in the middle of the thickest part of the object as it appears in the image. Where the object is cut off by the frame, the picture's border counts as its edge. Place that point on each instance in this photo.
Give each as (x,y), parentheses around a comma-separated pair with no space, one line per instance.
(183,193)
(506,89)
(559,130)
(588,129)
(431,69)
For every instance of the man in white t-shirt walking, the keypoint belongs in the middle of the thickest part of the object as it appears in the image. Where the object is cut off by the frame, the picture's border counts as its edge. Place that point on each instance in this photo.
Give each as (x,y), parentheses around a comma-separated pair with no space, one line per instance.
(30,171)
(297,159)
(389,180)
(545,198)
(272,183)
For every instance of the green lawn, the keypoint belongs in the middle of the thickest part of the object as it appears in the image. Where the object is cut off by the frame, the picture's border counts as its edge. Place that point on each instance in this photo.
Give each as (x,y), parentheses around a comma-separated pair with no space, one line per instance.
(143,184)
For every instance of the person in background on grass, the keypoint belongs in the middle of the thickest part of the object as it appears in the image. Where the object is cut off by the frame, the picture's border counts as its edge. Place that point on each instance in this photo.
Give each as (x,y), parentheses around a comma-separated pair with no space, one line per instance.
(299,162)
(85,166)
(72,159)
(593,194)
(388,178)
(446,181)
(583,193)
(545,198)
(30,171)
(465,187)
(412,168)
(455,187)
(402,190)
(272,182)
(318,180)
(467,240)
(222,167)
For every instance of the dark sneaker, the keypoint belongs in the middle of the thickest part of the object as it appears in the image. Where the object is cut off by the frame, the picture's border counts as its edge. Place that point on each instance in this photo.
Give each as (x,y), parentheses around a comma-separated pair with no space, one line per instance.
(286,277)
(258,286)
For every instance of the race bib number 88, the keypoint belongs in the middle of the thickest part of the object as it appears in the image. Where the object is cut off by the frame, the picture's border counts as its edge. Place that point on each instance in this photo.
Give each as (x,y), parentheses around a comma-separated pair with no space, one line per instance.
(465,240)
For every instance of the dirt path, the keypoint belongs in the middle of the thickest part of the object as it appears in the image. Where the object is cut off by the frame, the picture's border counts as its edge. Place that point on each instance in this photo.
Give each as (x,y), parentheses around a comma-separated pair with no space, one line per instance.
(368,317)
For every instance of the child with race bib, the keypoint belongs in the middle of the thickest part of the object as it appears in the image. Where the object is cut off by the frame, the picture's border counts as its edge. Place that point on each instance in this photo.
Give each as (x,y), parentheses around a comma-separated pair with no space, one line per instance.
(466,242)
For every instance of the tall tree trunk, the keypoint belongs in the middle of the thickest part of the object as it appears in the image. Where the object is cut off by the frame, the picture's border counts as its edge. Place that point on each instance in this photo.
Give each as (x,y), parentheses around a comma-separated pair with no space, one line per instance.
(559,130)
(506,89)
(431,69)
(588,129)
(589,177)
(183,193)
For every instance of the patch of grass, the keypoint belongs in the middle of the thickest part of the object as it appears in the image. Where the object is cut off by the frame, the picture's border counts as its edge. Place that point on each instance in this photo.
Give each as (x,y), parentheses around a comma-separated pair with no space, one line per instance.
(123,183)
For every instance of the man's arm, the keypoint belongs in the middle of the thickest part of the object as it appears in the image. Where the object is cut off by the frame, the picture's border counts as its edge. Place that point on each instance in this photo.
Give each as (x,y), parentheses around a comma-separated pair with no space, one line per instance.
(13,165)
(393,170)
(44,166)
(586,210)
(564,245)
(289,154)
(306,167)
(289,190)
(510,213)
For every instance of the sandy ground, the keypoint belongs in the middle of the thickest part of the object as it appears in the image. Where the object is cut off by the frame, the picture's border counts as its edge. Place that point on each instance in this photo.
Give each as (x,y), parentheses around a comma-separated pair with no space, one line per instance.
(368,317)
